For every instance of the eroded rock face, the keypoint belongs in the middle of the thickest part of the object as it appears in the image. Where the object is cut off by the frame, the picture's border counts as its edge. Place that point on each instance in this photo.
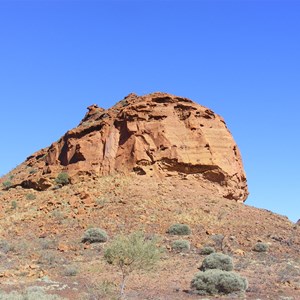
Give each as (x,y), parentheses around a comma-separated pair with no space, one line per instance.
(152,135)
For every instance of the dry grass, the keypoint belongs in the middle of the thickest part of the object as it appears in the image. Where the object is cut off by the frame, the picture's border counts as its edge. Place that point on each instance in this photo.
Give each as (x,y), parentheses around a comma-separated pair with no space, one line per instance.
(46,233)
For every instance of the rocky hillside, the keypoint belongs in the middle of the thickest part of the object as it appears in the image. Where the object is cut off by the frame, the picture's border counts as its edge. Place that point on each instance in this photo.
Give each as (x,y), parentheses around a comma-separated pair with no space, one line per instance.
(156,135)
(145,164)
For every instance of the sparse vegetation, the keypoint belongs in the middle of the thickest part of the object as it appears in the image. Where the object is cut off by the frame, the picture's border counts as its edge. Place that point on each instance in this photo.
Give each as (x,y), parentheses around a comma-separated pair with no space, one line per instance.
(207,250)
(32,171)
(71,271)
(288,272)
(108,289)
(58,215)
(260,247)
(216,276)
(32,293)
(30,196)
(48,244)
(14,204)
(218,282)
(104,290)
(5,247)
(48,258)
(94,235)
(40,241)
(102,201)
(7,184)
(62,178)
(132,253)
(179,229)
(181,245)
(218,241)
(217,261)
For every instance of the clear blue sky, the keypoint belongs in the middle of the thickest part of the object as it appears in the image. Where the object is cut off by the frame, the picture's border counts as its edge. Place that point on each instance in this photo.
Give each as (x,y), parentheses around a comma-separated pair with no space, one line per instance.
(239,58)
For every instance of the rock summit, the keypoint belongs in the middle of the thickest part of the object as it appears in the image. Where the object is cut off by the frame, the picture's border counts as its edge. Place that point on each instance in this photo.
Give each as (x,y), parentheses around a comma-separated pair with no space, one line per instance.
(158,135)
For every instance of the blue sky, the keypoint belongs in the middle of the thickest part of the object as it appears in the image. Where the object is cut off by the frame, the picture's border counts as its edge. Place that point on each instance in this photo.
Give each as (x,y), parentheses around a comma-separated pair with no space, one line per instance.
(239,58)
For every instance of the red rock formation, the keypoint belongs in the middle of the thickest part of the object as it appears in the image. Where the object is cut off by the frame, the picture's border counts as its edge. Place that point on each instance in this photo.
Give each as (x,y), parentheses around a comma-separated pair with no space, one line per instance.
(152,135)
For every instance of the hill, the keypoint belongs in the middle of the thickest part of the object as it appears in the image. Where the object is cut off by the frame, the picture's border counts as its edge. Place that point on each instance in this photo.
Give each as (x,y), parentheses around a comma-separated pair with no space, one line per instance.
(147,163)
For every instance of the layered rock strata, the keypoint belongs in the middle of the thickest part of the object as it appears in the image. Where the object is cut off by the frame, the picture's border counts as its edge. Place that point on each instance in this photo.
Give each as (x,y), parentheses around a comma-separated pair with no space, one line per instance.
(153,135)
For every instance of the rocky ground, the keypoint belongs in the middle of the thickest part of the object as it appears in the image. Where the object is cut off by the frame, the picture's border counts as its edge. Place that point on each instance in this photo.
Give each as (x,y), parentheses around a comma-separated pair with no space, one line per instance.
(40,238)
(145,164)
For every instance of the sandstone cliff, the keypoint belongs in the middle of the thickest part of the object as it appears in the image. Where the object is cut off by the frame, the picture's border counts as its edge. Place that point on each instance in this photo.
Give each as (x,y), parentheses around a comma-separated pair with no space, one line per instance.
(153,135)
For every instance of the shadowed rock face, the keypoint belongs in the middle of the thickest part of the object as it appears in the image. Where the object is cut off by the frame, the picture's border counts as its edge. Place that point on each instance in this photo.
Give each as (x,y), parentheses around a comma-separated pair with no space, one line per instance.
(152,135)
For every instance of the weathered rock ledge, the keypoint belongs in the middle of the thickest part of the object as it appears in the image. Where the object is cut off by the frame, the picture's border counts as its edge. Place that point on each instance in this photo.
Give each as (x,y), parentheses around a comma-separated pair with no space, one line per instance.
(153,135)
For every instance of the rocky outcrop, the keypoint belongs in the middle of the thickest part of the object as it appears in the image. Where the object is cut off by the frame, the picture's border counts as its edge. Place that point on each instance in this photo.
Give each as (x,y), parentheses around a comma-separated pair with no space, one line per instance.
(152,135)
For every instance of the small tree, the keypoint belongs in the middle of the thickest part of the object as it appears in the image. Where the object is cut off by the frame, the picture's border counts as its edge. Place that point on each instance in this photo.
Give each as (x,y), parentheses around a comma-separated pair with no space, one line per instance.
(132,253)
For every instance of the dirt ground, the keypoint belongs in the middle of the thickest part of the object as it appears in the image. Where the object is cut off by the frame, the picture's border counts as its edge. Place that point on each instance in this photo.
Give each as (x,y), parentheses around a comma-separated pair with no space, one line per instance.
(40,239)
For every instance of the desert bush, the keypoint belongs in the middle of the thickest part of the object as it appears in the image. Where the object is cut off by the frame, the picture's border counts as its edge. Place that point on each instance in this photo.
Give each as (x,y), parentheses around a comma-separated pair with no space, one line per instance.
(70,271)
(14,204)
(48,258)
(100,290)
(94,235)
(217,261)
(48,244)
(5,247)
(218,241)
(218,282)
(181,245)
(30,196)
(132,253)
(32,171)
(58,215)
(31,293)
(62,178)
(7,184)
(287,272)
(260,247)
(179,229)
(207,250)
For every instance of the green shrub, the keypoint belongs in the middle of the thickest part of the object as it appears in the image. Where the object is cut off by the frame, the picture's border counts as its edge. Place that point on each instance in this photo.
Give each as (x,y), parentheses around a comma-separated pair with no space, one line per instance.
(70,271)
(218,241)
(14,204)
(48,258)
(5,247)
(108,290)
(96,289)
(179,229)
(181,245)
(47,244)
(132,253)
(30,196)
(94,235)
(260,247)
(217,261)
(7,184)
(31,293)
(62,178)
(207,250)
(218,282)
